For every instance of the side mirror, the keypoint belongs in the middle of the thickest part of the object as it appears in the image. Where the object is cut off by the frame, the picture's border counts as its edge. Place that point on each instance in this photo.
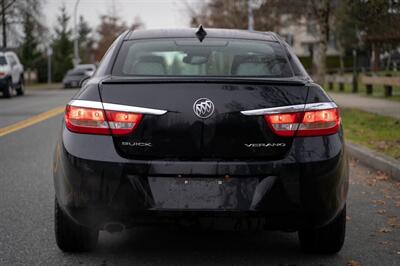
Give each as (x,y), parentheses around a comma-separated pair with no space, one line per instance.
(83,82)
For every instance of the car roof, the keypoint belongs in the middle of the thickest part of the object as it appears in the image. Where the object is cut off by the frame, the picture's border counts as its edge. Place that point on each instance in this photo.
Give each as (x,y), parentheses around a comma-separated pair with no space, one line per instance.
(76,70)
(190,33)
(85,65)
(3,53)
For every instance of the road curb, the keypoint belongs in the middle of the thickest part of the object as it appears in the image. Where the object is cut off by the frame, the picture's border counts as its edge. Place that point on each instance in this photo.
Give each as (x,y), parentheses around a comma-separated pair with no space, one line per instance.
(374,160)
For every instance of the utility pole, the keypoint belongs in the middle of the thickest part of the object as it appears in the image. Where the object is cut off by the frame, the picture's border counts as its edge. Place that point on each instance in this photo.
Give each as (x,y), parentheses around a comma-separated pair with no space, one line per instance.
(76,35)
(49,54)
(3,23)
(250,15)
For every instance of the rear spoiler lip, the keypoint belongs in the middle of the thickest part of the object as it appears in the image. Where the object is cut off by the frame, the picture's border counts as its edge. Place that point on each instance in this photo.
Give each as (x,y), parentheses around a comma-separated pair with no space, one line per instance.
(174,79)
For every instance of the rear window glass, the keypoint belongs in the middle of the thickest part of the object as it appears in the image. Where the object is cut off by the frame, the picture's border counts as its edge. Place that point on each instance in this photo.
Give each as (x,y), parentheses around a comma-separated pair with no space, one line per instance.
(3,61)
(212,57)
(77,72)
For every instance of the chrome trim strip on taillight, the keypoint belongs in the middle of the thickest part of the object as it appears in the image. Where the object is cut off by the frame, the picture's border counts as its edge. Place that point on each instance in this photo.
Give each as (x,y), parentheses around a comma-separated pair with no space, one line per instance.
(290,109)
(86,104)
(116,107)
(320,106)
(133,109)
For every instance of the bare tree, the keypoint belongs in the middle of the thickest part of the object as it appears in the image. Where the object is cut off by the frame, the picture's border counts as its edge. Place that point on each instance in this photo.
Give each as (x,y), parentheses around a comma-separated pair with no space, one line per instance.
(6,8)
(13,14)
(272,15)
(233,13)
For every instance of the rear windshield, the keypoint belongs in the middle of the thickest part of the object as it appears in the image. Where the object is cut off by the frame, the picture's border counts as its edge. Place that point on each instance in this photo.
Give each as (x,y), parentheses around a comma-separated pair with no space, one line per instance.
(3,61)
(77,72)
(212,57)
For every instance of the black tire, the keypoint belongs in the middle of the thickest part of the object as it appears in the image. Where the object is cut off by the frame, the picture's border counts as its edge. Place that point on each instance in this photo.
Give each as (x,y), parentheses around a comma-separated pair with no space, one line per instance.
(21,87)
(8,90)
(72,237)
(326,240)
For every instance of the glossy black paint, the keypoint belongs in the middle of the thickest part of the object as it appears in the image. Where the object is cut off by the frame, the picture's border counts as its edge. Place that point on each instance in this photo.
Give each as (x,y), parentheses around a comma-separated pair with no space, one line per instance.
(181,134)
(198,167)
(310,183)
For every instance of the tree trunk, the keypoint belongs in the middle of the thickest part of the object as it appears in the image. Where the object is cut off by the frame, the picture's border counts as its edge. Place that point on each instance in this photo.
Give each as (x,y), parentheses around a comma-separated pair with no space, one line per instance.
(321,62)
(376,61)
(341,59)
(323,14)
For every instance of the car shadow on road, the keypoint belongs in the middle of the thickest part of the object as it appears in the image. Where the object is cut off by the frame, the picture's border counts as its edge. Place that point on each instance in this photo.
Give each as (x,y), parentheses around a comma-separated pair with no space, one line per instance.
(191,246)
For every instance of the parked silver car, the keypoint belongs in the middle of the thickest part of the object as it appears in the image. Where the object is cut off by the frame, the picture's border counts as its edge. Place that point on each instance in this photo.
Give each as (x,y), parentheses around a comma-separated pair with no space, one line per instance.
(11,74)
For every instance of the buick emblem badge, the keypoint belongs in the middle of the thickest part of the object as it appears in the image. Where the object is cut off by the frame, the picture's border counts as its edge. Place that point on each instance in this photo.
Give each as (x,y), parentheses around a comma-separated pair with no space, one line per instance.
(203,107)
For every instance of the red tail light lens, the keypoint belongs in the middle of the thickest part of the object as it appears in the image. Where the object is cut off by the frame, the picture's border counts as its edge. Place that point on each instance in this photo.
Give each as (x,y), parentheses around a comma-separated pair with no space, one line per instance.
(86,120)
(99,121)
(122,123)
(284,124)
(309,123)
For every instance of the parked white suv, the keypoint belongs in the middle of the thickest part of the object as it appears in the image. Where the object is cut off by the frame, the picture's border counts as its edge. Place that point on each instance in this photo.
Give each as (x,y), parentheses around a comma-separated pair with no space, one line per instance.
(11,74)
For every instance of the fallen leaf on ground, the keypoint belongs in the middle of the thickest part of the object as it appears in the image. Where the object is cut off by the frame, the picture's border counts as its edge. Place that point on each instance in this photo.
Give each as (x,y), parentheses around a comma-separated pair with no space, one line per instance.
(393,222)
(381,176)
(378,202)
(371,182)
(348,218)
(353,263)
(385,230)
(381,211)
(383,242)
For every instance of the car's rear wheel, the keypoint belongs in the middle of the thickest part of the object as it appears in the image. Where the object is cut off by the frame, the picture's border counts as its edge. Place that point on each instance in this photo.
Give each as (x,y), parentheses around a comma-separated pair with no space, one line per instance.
(8,90)
(72,237)
(328,239)
(21,87)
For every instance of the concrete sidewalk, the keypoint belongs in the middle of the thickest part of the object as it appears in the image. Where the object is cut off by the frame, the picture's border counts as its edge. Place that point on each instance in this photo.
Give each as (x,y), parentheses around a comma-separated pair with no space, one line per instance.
(377,106)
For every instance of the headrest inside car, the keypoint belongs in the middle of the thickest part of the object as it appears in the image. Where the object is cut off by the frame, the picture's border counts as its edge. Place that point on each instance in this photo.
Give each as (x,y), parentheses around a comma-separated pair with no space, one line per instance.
(149,65)
(249,65)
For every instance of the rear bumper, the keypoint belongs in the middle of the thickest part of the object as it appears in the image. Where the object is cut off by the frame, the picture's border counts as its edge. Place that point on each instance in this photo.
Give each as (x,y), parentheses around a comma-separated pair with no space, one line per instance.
(96,186)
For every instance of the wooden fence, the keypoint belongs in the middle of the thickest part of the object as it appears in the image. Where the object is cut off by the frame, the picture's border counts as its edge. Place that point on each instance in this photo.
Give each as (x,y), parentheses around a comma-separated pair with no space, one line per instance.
(369,81)
(387,82)
(341,80)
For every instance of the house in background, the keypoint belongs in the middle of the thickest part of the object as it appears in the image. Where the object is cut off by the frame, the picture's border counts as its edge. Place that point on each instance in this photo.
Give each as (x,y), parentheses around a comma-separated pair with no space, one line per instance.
(302,37)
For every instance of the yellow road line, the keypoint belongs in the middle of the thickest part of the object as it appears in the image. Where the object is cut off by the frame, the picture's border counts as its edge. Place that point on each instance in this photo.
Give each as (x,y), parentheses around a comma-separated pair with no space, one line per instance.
(31,121)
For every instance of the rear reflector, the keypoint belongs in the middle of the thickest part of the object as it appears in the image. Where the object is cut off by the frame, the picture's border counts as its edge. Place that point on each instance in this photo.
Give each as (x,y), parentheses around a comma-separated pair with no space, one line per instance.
(99,121)
(308,123)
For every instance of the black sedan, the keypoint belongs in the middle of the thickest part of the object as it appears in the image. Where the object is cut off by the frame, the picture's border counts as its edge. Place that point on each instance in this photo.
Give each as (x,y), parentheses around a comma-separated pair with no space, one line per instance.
(188,126)
(74,77)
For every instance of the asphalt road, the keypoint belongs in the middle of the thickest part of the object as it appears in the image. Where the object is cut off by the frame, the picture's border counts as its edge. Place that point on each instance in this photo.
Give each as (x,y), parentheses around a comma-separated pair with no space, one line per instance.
(27,196)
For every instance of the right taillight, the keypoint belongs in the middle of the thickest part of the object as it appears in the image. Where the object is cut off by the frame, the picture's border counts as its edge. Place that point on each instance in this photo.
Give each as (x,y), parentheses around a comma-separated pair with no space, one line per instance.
(307,123)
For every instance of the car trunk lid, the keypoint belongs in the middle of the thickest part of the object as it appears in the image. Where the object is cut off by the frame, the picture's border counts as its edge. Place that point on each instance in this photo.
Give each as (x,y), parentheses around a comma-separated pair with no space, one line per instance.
(180,133)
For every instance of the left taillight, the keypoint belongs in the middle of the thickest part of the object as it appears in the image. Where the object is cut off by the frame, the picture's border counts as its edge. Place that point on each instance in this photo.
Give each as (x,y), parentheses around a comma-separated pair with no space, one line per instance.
(101,122)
